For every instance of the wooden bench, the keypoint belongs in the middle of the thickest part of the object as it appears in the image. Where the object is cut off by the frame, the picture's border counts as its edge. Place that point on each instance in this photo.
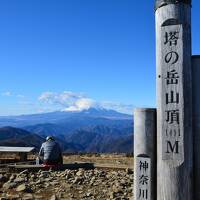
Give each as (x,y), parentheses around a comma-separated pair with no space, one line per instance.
(10,153)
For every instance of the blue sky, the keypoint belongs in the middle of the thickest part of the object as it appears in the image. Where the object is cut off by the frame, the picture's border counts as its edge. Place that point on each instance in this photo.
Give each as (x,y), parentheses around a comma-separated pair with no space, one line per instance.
(67,54)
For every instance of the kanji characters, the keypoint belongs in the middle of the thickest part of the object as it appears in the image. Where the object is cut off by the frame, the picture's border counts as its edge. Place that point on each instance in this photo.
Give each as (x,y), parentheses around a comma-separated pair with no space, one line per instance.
(172,77)
(144,166)
(172,81)
(172,116)
(143,194)
(143,179)
(172,97)
(171,38)
(171,57)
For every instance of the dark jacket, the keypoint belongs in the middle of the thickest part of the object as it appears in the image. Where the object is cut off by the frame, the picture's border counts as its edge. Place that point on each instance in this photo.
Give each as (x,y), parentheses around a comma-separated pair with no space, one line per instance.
(50,150)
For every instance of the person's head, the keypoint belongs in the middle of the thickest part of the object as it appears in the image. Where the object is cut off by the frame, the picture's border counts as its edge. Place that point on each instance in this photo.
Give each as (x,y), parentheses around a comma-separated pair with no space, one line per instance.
(49,138)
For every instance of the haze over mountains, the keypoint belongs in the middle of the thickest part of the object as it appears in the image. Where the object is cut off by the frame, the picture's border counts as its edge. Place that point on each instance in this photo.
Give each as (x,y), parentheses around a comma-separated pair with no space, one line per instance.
(91,130)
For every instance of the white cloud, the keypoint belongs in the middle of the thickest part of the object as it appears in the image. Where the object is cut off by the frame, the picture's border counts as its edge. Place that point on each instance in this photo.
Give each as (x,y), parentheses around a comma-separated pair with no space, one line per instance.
(70,101)
(65,97)
(81,104)
(6,94)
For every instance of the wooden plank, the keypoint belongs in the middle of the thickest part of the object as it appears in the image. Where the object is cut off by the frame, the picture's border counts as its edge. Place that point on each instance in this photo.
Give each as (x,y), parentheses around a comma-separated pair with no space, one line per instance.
(70,166)
(61,167)
(16,149)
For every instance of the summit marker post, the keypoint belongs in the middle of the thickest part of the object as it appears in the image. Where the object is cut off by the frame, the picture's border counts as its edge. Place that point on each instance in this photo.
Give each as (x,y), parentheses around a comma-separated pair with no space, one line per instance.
(145,154)
(174,100)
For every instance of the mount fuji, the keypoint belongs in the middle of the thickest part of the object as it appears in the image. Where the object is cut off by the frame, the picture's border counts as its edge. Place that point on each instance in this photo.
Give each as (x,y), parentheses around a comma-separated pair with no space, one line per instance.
(91,130)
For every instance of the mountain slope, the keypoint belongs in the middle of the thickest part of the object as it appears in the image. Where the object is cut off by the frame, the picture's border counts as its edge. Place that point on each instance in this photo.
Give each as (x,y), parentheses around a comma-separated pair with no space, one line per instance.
(47,129)
(66,128)
(10,136)
(98,139)
(101,139)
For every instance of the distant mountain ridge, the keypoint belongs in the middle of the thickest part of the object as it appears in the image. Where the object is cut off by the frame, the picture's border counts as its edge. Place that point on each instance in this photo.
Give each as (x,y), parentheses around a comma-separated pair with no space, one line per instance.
(92,130)
(61,116)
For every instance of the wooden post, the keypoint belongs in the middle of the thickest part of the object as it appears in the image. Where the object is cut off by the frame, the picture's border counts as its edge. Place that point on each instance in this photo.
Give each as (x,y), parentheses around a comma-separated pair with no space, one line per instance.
(145,154)
(174,100)
(196,123)
(23,156)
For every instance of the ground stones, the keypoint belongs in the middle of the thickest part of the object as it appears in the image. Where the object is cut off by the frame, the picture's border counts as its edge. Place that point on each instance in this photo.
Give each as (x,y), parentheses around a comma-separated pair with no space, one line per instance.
(69,184)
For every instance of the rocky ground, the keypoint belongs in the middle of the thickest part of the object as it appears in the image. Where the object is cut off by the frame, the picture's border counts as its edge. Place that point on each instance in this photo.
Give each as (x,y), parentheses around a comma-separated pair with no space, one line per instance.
(69,184)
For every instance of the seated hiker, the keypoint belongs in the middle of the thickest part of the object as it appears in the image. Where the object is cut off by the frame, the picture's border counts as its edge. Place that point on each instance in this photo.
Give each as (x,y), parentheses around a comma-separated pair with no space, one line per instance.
(50,152)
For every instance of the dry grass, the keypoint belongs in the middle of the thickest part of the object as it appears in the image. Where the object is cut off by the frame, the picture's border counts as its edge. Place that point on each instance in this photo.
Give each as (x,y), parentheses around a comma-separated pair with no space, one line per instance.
(117,160)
